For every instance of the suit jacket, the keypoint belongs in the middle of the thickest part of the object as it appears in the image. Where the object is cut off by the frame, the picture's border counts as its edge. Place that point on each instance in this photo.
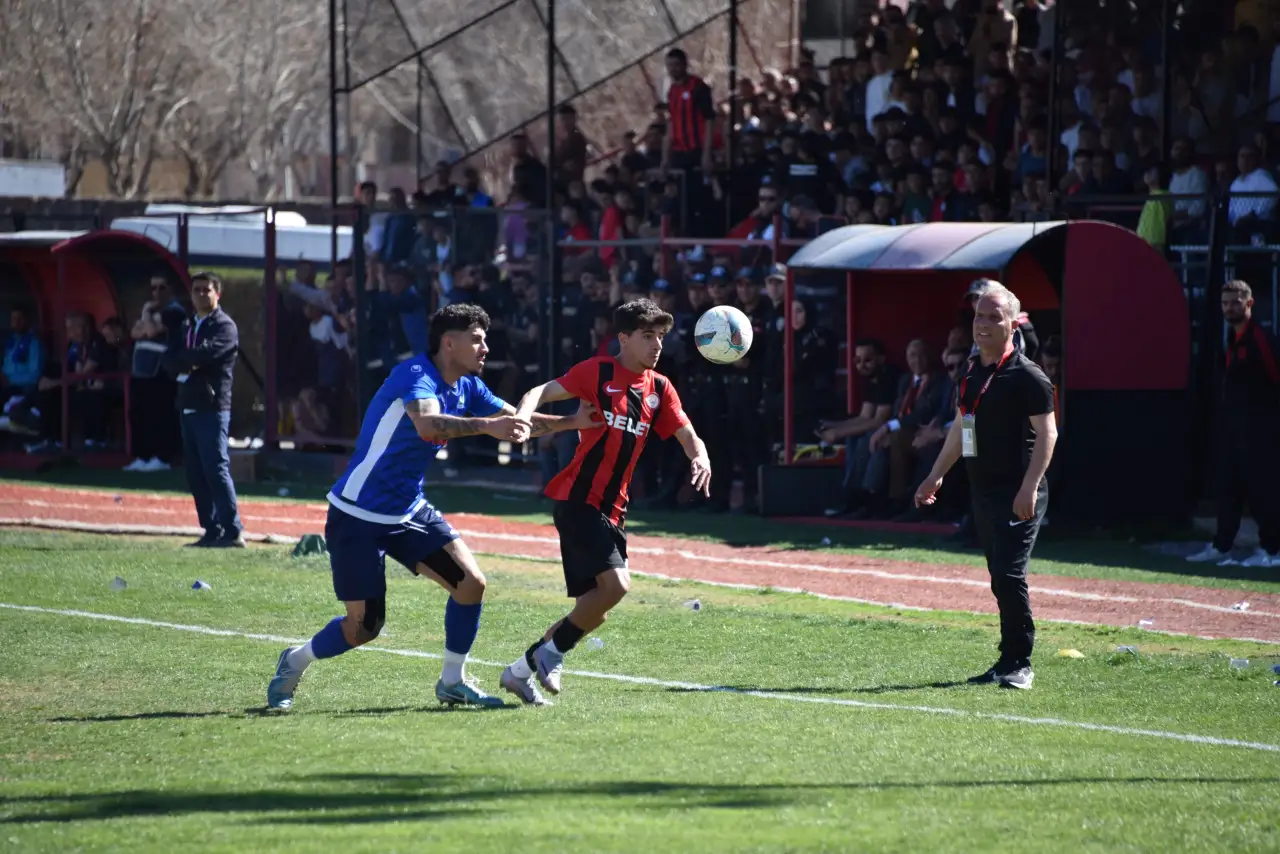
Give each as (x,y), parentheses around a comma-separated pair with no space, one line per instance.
(927,403)
(206,356)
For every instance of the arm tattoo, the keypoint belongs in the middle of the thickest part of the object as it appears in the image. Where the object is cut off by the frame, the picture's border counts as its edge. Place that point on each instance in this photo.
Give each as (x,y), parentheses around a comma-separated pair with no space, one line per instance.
(451,426)
(544,424)
(431,425)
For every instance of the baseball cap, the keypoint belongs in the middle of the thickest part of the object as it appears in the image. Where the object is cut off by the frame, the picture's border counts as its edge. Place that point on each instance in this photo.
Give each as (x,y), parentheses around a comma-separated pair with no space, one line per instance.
(661,285)
(777,271)
(751,274)
(699,279)
(719,273)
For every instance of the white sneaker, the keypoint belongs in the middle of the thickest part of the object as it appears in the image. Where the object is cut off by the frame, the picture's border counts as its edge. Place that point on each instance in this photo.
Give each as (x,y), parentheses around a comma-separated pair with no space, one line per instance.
(1207,555)
(154,464)
(1260,559)
(137,465)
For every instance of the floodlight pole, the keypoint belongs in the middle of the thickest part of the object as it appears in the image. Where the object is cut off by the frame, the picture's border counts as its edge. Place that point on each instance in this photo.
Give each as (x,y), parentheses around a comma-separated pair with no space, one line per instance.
(554,286)
(731,137)
(333,131)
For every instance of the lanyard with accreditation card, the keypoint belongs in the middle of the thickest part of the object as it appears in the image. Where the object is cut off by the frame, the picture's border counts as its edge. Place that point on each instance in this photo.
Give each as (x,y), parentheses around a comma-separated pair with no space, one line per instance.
(968,420)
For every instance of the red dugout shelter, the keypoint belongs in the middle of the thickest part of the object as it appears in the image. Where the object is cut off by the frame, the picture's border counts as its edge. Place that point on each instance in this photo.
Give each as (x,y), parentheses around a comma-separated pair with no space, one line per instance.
(1121,311)
(104,273)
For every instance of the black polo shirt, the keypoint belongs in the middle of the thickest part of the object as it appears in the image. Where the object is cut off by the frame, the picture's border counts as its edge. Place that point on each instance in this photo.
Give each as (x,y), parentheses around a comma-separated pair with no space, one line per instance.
(1005,437)
(881,388)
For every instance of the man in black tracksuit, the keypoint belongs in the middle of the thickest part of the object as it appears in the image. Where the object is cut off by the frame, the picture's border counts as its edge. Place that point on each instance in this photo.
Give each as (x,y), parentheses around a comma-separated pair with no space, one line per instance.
(1005,431)
(1249,447)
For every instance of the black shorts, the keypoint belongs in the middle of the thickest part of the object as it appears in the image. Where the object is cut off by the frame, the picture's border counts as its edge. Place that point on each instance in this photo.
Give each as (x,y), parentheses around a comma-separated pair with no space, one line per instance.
(589,545)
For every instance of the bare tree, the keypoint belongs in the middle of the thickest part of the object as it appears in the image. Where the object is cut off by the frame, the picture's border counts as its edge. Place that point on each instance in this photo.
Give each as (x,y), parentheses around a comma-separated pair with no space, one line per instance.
(100,76)
(258,87)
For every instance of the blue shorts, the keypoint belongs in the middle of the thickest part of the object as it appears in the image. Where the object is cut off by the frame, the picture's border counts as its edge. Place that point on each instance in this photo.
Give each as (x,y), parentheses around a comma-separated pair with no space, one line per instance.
(358,549)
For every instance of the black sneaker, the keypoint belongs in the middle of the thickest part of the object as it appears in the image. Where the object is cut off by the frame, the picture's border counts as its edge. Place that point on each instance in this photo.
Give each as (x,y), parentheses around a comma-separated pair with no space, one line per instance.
(204,542)
(1020,678)
(236,542)
(994,674)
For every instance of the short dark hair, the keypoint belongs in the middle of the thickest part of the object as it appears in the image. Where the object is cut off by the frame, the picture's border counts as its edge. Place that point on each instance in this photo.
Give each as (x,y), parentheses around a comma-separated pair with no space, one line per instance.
(876,345)
(640,315)
(458,317)
(1238,286)
(368,185)
(211,278)
(677,53)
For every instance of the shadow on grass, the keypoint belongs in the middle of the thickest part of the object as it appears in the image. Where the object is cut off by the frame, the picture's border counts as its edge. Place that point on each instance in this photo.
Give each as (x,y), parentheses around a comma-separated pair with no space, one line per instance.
(809,689)
(377,798)
(263,712)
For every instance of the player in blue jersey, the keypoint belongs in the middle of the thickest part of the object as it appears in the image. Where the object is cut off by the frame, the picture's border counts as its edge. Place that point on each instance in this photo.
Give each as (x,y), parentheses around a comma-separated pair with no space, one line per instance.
(377,508)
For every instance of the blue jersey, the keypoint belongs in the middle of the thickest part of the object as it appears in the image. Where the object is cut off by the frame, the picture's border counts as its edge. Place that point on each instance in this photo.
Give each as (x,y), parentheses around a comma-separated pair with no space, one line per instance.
(383,481)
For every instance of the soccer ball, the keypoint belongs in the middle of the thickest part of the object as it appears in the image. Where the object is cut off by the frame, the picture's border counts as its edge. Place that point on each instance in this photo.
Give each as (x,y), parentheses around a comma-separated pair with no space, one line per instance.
(723,335)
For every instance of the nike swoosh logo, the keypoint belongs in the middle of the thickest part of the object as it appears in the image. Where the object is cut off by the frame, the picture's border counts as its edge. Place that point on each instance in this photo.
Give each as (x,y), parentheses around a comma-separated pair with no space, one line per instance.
(612,390)
(1015,522)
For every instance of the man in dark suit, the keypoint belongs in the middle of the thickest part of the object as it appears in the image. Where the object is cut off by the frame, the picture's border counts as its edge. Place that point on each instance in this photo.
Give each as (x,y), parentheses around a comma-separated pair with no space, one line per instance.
(203,364)
(919,398)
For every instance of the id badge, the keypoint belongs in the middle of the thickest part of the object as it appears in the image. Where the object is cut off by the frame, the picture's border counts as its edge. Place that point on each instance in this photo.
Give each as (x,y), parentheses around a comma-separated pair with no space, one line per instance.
(968,436)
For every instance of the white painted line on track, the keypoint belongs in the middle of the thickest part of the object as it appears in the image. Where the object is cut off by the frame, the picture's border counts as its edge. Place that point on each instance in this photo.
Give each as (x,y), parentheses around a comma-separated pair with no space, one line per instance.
(694,686)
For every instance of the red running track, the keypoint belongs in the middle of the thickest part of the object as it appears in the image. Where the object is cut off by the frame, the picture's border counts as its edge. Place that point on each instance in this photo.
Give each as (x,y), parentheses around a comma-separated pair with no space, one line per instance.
(1176,608)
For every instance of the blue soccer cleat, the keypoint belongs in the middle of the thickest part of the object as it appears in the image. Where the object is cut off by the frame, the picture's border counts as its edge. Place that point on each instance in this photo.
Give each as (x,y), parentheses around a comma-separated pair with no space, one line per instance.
(466,694)
(283,684)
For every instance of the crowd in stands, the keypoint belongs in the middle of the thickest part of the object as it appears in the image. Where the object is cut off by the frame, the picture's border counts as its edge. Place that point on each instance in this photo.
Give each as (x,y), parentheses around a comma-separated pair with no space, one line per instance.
(937,112)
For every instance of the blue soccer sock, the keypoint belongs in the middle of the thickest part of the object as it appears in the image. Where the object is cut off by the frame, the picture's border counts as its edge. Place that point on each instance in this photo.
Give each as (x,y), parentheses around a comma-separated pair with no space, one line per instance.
(461,624)
(330,641)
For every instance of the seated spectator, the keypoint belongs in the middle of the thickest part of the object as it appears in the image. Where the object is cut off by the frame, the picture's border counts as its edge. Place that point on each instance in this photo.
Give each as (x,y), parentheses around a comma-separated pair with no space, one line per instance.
(1187,223)
(887,483)
(153,419)
(23,366)
(406,309)
(1153,222)
(41,411)
(94,399)
(878,381)
(926,444)
(1256,214)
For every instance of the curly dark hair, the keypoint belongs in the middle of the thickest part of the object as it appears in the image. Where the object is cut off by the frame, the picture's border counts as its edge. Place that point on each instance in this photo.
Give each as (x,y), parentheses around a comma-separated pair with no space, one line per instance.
(640,315)
(458,317)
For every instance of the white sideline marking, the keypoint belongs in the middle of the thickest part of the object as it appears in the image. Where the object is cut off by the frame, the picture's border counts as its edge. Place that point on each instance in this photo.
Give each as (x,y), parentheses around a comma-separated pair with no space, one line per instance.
(887,575)
(694,686)
(195,531)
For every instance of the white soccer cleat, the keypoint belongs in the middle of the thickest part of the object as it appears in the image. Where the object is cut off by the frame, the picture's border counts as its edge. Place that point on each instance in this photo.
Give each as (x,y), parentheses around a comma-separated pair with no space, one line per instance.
(1208,554)
(525,688)
(549,667)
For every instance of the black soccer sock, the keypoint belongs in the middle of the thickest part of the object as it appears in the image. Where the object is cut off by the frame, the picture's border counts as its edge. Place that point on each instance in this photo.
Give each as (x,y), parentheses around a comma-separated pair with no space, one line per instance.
(566,635)
(528,653)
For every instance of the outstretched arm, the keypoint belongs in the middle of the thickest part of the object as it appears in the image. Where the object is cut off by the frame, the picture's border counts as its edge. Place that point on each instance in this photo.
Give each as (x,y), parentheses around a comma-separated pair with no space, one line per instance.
(433,426)
(583,419)
(538,395)
(699,462)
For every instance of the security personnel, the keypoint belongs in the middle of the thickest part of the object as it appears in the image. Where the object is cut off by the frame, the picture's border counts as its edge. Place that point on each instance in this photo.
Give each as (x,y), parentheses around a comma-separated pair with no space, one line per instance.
(1249,449)
(1005,433)
(748,438)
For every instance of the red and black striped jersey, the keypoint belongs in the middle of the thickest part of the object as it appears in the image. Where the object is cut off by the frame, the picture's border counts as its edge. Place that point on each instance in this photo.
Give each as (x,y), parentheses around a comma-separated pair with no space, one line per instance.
(690,107)
(632,406)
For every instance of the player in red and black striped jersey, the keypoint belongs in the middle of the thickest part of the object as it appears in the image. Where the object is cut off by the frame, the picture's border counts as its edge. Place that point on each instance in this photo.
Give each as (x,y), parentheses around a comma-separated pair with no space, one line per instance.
(591,493)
